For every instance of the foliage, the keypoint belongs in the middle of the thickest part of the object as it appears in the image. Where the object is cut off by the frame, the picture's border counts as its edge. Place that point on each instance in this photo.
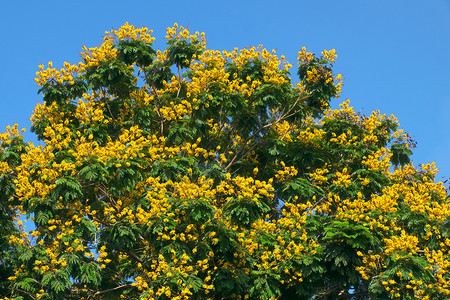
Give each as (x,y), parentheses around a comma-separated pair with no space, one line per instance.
(190,173)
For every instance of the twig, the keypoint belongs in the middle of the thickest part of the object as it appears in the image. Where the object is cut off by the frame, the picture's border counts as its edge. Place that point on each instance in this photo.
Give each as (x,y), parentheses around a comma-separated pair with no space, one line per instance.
(110,290)
(135,256)
(25,292)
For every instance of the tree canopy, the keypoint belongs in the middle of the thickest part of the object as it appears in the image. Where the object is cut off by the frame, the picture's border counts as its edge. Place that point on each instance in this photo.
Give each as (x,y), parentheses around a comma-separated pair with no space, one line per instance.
(194,173)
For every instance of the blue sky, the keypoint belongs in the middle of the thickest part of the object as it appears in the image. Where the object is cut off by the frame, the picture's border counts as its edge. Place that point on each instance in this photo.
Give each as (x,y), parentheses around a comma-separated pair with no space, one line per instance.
(394,55)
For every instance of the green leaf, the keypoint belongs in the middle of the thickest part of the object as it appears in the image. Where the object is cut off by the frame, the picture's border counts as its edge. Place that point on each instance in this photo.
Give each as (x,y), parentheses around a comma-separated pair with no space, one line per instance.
(400,154)
(68,189)
(90,273)
(135,51)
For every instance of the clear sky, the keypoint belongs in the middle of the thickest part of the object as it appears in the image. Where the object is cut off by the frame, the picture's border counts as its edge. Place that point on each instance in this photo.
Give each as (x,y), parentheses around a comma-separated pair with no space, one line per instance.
(394,55)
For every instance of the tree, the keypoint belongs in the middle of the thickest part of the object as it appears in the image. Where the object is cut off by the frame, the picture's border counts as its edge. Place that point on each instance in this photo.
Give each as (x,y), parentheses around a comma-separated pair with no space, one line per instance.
(192,173)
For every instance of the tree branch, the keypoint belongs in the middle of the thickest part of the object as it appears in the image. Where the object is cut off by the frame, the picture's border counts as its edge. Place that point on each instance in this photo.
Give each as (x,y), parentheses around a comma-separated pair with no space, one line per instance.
(110,290)
(25,292)
(271,124)
(135,256)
